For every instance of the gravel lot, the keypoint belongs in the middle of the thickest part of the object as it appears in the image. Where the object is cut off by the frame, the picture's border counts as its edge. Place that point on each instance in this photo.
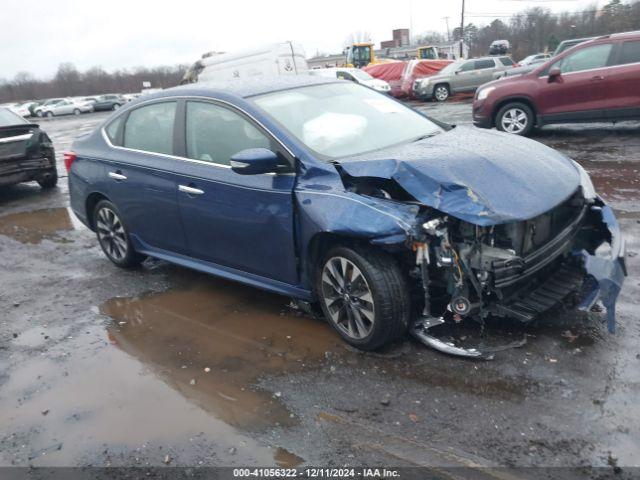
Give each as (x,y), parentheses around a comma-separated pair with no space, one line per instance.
(162,365)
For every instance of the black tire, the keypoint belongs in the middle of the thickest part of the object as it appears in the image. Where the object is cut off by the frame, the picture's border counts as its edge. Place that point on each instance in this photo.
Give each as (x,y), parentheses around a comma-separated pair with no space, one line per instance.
(514,112)
(48,114)
(50,181)
(390,306)
(116,106)
(77,111)
(441,92)
(39,113)
(117,246)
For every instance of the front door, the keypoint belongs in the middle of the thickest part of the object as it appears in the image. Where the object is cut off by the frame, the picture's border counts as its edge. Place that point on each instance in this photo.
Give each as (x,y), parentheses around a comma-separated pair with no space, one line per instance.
(582,89)
(244,222)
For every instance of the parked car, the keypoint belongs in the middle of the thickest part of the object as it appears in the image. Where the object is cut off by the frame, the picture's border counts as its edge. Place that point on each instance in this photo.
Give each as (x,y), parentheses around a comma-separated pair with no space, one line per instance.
(499,47)
(66,107)
(460,76)
(594,81)
(108,102)
(341,196)
(567,44)
(39,110)
(536,58)
(26,152)
(353,75)
(23,109)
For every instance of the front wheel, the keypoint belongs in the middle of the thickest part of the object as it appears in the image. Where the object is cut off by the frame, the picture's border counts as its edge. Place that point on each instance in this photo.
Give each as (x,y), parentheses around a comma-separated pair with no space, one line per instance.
(364,296)
(116,106)
(516,118)
(113,236)
(50,181)
(441,92)
(77,111)
(48,114)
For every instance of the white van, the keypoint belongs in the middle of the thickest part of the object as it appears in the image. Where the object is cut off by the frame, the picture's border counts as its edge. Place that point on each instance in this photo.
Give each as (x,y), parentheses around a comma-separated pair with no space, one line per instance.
(275,59)
(353,75)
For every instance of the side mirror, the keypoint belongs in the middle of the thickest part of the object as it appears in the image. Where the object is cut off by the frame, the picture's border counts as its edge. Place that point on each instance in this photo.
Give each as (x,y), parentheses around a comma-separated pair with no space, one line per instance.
(253,161)
(554,74)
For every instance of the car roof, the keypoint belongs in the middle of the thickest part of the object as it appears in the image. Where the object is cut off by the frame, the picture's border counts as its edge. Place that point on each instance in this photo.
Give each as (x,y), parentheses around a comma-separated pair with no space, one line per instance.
(247,87)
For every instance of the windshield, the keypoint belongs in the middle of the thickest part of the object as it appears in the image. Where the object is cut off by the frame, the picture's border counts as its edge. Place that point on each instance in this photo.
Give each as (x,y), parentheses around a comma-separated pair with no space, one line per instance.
(360,75)
(7,118)
(336,120)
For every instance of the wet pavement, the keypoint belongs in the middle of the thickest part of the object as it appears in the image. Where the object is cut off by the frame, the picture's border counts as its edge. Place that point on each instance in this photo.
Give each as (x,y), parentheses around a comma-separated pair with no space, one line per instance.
(162,365)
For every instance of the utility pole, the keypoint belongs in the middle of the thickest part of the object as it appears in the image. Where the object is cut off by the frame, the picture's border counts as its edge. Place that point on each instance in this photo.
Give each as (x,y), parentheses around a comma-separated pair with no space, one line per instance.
(462,32)
(446,19)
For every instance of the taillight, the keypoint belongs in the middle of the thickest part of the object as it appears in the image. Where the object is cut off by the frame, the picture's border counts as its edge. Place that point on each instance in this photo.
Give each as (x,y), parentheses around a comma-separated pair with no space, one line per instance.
(69,158)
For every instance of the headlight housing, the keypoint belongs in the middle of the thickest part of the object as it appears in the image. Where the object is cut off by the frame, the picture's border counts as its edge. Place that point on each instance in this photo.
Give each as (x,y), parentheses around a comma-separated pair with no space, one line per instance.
(588,190)
(483,93)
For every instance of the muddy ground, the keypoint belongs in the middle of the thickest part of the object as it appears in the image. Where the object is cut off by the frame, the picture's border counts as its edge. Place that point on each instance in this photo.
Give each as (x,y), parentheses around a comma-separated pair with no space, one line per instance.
(162,365)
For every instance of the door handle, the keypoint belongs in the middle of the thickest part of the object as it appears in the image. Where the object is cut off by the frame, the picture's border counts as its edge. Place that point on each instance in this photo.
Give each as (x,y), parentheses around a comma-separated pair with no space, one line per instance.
(597,78)
(190,190)
(117,176)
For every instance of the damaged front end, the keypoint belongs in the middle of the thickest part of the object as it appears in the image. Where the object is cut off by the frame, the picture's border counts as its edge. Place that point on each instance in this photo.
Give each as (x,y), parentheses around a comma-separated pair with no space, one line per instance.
(475,252)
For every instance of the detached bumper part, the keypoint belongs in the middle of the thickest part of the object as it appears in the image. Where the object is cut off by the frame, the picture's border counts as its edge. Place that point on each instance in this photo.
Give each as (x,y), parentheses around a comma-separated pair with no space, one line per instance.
(420,331)
(605,272)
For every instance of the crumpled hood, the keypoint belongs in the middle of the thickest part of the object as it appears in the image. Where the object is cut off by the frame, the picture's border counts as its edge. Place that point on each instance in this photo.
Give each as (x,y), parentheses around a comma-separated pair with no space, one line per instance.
(482,177)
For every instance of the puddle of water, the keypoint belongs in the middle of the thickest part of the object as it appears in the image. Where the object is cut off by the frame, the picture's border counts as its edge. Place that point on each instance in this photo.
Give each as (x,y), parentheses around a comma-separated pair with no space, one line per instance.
(34,226)
(211,343)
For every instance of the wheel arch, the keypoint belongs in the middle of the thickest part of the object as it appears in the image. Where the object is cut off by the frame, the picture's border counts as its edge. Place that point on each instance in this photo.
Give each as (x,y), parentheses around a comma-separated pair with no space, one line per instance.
(90,205)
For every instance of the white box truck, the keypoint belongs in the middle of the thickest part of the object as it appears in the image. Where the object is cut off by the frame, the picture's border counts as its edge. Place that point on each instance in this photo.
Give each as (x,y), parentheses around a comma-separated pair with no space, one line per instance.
(285,58)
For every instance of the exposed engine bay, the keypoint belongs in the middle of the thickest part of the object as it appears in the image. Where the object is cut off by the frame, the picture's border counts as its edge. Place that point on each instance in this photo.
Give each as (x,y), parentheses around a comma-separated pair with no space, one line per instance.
(519,270)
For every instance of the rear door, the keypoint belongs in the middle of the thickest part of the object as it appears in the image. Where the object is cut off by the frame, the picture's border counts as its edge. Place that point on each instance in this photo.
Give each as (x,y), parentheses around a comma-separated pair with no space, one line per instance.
(141,174)
(582,91)
(240,221)
(484,70)
(624,81)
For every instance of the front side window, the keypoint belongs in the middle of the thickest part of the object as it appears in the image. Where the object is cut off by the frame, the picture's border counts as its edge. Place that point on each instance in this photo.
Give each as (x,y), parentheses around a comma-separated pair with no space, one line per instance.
(629,52)
(214,133)
(150,128)
(587,58)
(341,119)
(467,67)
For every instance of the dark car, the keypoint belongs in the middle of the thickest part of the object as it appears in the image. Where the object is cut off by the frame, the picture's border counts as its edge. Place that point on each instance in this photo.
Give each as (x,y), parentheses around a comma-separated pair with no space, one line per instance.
(595,81)
(339,196)
(108,102)
(26,152)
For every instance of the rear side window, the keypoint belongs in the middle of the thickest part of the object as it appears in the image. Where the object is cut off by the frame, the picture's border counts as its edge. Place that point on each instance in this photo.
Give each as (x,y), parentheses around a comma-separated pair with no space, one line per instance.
(113,131)
(587,58)
(506,61)
(629,52)
(150,128)
(482,64)
(214,133)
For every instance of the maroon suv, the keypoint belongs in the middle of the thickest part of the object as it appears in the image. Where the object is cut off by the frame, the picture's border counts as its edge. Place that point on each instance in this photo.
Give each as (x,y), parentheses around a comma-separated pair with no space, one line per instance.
(594,81)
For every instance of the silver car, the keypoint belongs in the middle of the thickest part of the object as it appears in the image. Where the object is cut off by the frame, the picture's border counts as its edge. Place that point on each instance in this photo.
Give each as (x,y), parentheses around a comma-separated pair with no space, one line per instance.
(461,76)
(67,107)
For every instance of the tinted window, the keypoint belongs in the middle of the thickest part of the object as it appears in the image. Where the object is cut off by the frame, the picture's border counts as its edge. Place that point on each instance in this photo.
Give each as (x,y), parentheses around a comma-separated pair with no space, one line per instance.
(215,134)
(150,128)
(345,76)
(467,67)
(506,61)
(629,52)
(586,59)
(482,64)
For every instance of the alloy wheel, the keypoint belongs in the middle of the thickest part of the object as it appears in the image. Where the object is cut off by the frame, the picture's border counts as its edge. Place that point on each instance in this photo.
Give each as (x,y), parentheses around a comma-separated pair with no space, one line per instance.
(441,93)
(347,298)
(514,120)
(111,234)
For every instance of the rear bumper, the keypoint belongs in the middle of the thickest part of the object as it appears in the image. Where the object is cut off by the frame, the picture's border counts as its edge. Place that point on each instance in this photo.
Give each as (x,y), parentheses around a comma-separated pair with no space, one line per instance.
(25,170)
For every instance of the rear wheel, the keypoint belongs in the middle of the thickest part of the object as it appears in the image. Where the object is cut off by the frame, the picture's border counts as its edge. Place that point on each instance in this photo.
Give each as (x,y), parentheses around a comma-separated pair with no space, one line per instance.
(516,118)
(113,236)
(363,295)
(77,111)
(115,106)
(441,92)
(50,181)
(48,114)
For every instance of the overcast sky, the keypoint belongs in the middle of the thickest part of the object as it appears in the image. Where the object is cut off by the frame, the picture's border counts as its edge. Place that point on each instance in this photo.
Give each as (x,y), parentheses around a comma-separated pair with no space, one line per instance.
(37,35)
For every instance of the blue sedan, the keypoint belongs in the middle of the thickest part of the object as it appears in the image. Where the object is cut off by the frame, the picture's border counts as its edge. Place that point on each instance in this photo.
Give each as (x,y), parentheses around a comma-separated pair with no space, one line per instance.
(347,200)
